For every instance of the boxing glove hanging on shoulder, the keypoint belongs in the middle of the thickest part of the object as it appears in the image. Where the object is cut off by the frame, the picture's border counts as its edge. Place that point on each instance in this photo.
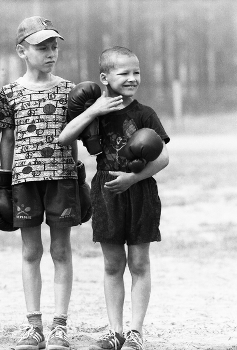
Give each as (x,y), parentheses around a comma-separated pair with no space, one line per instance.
(145,145)
(82,96)
(6,204)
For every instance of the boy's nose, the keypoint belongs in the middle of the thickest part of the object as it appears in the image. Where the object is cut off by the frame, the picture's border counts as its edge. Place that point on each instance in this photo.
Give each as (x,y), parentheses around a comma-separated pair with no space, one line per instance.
(131,77)
(51,53)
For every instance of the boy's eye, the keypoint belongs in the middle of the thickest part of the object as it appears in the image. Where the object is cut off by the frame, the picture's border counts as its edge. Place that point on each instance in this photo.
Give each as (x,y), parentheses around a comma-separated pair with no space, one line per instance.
(45,48)
(41,47)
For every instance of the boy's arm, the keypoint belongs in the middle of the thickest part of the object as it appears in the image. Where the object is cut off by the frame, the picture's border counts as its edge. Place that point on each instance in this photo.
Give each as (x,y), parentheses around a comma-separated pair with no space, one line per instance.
(75,151)
(7,148)
(124,180)
(102,105)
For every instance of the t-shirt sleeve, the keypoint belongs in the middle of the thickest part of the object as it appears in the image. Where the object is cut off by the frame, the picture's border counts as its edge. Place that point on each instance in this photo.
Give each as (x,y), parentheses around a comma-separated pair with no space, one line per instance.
(68,118)
(6,113)
(153,122)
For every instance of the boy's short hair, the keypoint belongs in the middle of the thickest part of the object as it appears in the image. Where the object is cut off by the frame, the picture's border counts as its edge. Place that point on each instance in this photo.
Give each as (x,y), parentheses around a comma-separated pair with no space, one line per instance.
(36,29)
(107,58)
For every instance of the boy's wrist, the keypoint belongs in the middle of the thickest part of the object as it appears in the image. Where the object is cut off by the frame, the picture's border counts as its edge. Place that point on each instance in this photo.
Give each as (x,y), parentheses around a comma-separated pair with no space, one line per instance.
(134,178)
(93,112)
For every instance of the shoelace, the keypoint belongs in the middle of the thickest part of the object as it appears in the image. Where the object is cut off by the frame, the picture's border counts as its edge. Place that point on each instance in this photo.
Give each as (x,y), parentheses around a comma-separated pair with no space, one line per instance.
(114,342)
(134,337)
(29,331)
(58,332)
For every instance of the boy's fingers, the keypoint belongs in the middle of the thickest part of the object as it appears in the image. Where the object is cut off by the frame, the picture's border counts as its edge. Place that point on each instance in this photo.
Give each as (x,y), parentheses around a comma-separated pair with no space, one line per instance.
(110,183)
(114,173)
(120,97)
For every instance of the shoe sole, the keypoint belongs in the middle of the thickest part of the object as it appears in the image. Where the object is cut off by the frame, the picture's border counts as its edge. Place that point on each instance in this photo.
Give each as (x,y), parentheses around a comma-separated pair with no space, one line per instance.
(96,347)
(31,347)
(57,347)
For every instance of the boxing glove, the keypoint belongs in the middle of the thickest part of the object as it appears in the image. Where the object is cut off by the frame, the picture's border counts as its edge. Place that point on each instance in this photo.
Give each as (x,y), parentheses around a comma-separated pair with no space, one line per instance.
(136,165)
(84,192)
(145,145)
(81,97)
(6,205)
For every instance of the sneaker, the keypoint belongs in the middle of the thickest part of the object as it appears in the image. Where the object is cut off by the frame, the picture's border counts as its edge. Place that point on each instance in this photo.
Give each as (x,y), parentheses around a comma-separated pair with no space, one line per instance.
(110,341)
(133,341)
(32,339)
(58,339)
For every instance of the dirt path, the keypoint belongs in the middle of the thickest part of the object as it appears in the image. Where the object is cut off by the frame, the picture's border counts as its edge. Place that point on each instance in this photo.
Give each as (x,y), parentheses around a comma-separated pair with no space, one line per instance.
(194,275)
(192,303)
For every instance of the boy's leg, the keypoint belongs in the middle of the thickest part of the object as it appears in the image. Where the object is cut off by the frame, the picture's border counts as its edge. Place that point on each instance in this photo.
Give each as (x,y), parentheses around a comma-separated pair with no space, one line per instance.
(32,251)
(139,266)
(114,266)
(61,253)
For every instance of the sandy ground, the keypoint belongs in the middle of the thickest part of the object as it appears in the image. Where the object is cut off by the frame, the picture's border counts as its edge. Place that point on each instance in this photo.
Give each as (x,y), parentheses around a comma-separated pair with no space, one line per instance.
(194,275)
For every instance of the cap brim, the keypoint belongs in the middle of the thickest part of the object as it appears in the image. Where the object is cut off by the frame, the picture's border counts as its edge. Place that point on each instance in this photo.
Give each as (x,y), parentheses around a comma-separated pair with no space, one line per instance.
(41,36)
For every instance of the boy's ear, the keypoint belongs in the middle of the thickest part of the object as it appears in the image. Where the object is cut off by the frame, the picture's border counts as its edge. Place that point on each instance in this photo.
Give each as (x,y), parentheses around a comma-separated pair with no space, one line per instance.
(20,49)
(103,78)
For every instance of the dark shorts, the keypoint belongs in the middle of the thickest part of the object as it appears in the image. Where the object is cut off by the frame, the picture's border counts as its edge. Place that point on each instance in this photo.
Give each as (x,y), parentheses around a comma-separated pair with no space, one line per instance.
(132,216)
(57,199)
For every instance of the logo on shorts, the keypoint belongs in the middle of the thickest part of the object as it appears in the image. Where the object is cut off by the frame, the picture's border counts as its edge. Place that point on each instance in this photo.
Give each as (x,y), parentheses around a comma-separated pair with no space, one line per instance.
(23,213)
(66,213)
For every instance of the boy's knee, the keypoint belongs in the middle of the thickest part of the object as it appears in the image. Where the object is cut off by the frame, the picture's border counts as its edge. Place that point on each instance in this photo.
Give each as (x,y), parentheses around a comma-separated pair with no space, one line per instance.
(115,267)
(139,267)
(60,253)
(32,255)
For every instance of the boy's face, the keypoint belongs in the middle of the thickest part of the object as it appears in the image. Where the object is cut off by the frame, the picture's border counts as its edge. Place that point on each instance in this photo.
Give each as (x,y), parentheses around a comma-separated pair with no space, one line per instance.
(41,57)
(124,78)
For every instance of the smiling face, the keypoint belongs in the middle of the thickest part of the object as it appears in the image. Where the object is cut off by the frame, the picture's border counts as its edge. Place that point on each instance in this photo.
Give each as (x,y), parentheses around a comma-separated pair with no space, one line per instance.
(124,77)
(41,57)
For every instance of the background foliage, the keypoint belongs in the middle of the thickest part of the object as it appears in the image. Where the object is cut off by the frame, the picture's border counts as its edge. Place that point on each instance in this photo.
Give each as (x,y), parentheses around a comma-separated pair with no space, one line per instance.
(192,42)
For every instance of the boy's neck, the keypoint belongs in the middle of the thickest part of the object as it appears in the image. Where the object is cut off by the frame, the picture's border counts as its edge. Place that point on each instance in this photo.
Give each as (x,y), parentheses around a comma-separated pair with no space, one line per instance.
(127,101)
(37,81)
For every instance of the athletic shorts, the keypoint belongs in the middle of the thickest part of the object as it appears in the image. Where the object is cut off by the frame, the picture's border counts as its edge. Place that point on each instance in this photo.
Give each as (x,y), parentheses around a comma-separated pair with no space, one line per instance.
(57,199)
(132,217)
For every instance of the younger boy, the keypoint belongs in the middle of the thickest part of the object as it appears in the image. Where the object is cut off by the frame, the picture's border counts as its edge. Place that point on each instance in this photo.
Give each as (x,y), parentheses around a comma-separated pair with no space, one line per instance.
(44,179)
(126,205)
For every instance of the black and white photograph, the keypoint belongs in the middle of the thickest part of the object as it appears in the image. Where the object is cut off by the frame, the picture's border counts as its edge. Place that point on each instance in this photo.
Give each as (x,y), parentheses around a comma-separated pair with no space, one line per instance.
(118,175)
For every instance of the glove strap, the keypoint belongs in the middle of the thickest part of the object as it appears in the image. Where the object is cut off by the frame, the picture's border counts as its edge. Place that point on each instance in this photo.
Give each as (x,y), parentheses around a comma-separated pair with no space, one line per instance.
(81,172)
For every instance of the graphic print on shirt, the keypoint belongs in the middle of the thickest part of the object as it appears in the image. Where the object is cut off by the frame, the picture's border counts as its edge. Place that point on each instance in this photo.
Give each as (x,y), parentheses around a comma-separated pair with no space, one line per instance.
(39,118)
(115,141)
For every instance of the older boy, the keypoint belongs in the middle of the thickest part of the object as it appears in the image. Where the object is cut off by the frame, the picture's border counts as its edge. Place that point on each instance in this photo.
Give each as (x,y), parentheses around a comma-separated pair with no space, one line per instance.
(44,178)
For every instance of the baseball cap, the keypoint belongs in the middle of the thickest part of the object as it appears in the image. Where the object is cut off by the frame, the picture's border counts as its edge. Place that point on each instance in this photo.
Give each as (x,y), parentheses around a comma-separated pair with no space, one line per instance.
(36,29)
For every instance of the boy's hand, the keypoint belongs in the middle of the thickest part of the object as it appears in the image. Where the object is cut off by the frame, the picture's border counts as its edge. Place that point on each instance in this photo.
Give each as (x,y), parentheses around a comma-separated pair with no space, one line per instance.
(87,95)
(122,182)
(105,104)
(85,105)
